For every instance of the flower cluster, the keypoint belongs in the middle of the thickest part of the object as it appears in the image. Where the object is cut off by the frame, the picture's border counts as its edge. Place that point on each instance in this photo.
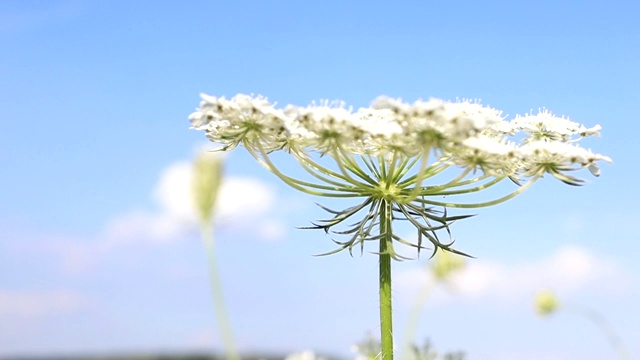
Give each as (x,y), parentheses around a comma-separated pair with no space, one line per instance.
(385,154)
(465,133)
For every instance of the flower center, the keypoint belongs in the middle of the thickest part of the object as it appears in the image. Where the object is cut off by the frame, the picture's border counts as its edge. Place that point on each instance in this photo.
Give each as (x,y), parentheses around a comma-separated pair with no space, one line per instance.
(386,191)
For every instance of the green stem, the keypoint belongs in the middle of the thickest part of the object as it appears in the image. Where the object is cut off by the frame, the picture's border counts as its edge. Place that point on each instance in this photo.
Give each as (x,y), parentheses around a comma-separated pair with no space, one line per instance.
(224,326)
(386,315)
(420,177)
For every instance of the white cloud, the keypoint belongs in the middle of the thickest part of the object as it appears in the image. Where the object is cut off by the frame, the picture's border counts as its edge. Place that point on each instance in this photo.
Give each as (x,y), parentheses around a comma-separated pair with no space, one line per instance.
(138,226)
(272,229)
(568,270)
(40,303)
(241,199)
(173,191)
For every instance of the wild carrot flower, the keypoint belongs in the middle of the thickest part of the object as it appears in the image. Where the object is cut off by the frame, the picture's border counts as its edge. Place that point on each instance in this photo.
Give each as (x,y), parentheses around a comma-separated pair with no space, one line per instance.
(399,160)
(388,155)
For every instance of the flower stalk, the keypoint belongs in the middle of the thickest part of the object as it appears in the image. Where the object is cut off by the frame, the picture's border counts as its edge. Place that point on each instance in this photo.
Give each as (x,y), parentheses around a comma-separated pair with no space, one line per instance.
(207,178)
(386,310)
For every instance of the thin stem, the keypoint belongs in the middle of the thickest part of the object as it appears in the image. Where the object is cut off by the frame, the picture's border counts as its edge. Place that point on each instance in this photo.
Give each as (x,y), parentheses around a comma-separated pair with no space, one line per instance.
(294,183)
(383,166)
(224,326)
(407,164)
(414,317)
(450,184)
(314,169)
(486,185)
(368,162)
(599,321)
(391,178)
(386,314)
(431,170)
(335,154)
(421,176)
(311,165)
(484,204)
(456,183)
(353,166)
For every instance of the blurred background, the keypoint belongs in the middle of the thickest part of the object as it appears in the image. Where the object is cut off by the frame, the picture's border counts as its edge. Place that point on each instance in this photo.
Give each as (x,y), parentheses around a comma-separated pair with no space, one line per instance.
(99,249)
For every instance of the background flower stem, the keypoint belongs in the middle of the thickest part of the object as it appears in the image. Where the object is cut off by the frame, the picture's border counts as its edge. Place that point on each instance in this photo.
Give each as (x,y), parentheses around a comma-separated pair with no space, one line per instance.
(412,321)
(224,326)
(386,315)
(605,327)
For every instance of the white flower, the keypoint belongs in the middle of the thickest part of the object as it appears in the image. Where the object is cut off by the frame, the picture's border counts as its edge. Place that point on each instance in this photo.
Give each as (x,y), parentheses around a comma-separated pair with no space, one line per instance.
(546,126)
(594,131)
(243,119)
(395,105)
(387,153)
(490,154)
(469,134)
(560,153)
(436,123)
(325,128)
(557,157)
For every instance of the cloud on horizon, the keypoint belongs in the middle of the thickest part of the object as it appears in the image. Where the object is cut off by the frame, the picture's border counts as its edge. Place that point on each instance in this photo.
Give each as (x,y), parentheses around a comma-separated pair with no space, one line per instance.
(64,257)
(242,200)
(34,304)
(570,269)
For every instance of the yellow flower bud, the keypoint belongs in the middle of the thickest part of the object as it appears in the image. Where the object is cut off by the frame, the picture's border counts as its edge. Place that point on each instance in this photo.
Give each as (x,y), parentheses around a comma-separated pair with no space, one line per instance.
(445,263)
(546,302)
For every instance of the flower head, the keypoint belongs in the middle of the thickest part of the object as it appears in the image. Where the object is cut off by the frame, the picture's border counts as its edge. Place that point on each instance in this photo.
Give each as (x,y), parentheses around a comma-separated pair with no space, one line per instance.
(243,119)
(400,159)
(545,126)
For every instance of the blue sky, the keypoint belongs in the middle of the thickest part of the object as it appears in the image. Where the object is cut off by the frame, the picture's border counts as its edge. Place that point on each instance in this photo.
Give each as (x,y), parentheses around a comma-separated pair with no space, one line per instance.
(96,250)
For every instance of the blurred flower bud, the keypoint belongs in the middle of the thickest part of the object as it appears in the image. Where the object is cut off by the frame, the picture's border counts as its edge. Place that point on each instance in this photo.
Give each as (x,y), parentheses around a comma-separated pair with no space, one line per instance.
(445,263)
(207,176)
(546,302)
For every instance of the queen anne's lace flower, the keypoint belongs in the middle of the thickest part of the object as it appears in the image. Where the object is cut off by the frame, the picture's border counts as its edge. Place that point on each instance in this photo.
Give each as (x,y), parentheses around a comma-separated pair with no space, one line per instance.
(487,154)
(544,126)
(243,119)
(391,154)
(403,162)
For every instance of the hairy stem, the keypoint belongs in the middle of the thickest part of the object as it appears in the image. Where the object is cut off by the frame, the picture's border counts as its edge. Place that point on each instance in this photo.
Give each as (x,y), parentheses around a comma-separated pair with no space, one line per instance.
(386,315)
